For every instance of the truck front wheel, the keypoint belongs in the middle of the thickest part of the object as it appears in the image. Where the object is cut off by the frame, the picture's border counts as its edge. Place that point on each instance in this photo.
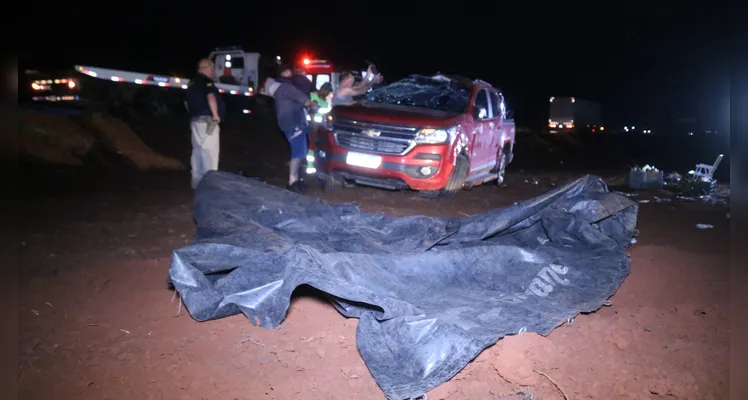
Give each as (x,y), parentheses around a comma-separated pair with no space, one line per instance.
(455,183)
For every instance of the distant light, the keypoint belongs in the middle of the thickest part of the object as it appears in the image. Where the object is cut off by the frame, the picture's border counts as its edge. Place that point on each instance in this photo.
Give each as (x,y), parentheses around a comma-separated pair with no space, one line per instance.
(163,84)
(178,80)
(311,170)
(602,128)
(633,127)
(306,61)
(233,91)
(552,99)
(36,86)
(593,130)
(573,100)
(245,111)
(228,64)
(310,158)
(71,84)
(139,81)
(278,58)
(317,118)
(626,128)
(184,86)
(228,57)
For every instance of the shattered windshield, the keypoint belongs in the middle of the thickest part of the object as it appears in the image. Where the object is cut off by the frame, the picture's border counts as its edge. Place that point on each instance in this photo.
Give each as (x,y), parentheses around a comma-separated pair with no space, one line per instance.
(423,92)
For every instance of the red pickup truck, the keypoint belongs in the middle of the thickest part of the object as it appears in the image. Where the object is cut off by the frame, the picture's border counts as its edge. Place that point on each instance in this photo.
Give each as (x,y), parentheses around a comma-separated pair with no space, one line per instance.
(433,134)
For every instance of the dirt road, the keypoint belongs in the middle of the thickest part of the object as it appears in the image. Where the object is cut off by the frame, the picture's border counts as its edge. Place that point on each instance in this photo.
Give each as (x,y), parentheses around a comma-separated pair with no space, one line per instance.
(98,322)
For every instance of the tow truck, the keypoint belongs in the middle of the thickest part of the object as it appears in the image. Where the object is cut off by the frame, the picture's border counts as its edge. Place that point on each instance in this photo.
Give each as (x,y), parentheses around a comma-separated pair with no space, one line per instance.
(236,73)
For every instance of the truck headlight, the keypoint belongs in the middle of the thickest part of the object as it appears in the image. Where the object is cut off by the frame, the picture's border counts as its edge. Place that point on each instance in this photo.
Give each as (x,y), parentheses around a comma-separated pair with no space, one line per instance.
(435,136)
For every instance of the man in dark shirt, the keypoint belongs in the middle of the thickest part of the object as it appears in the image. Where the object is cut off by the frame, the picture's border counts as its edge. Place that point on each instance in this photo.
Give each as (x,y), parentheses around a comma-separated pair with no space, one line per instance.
(205,107)
(290,104)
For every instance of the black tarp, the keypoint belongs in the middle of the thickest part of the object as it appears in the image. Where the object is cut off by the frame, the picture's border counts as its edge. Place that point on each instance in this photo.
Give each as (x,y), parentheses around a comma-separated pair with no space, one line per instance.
(430,293)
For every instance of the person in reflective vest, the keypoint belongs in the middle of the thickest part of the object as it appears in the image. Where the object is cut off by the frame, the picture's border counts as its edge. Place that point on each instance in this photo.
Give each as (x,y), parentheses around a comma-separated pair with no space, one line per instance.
(322,97)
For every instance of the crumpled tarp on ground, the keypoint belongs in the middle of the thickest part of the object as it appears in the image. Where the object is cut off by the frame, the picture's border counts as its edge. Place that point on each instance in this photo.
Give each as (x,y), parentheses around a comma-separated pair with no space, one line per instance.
(430,293)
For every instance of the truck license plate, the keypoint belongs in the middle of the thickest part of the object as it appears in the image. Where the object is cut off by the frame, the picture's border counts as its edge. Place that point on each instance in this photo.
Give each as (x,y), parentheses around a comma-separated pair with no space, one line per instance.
(363,160)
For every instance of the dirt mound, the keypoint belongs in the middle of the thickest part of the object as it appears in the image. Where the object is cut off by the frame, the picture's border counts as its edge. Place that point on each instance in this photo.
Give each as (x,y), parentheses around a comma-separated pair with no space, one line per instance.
(60,139)
(53,138)
(120,138)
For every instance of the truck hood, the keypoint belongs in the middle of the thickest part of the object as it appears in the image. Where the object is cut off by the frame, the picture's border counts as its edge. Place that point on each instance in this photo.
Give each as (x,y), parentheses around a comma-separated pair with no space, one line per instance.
(397,115)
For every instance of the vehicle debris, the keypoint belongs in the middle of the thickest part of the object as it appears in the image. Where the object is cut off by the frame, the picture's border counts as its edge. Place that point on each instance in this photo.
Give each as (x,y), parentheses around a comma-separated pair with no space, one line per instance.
(647,177)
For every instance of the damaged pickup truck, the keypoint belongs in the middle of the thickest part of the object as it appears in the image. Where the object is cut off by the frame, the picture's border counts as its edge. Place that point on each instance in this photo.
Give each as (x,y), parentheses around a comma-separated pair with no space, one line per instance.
(434,134)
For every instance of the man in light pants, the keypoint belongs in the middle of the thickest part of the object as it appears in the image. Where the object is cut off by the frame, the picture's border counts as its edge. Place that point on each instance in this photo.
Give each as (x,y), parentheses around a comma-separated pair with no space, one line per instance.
(204,106)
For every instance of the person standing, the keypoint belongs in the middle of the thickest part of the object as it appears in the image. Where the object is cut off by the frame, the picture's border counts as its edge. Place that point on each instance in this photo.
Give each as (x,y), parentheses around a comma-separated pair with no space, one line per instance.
(205,106)
(322,97)
(290,105)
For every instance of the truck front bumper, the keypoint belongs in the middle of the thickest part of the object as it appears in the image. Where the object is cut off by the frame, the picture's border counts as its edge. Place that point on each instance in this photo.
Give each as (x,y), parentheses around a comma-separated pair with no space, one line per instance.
(425,167)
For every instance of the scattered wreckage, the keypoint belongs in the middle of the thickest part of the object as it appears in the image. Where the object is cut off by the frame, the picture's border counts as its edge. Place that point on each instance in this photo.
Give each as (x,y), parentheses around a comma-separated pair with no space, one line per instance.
(699,183)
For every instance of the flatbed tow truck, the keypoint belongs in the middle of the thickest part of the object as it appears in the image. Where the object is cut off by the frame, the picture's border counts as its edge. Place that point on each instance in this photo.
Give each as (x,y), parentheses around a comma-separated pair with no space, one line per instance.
(237,73)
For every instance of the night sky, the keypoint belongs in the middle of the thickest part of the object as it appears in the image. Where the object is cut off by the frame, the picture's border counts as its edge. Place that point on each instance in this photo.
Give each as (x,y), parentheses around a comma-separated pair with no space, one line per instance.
(645,70)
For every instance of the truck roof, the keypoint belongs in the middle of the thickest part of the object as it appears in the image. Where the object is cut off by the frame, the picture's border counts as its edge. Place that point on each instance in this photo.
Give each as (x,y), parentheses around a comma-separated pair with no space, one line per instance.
(455,79)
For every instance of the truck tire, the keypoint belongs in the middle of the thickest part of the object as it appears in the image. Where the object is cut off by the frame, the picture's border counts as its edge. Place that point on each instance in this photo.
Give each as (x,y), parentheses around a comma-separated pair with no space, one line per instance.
(455,183)
(501,169)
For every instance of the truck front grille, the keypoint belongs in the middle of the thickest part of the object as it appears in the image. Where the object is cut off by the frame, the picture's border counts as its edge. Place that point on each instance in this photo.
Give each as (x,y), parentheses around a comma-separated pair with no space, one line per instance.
(373,137)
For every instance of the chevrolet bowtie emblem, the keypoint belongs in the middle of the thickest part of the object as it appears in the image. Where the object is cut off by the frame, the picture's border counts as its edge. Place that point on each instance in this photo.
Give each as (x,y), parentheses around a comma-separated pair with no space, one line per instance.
(371,132)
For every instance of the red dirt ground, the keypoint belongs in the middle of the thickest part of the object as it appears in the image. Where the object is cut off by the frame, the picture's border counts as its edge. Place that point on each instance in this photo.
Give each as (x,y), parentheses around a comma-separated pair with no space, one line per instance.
(98,322)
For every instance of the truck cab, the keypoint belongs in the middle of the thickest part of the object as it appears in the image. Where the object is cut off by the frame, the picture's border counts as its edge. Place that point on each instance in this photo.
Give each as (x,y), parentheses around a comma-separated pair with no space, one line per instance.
(235,66)
(434,134)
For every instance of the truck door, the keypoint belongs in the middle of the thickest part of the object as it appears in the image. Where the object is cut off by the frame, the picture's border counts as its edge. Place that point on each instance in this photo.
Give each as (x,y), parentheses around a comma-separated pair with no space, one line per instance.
(480,152)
